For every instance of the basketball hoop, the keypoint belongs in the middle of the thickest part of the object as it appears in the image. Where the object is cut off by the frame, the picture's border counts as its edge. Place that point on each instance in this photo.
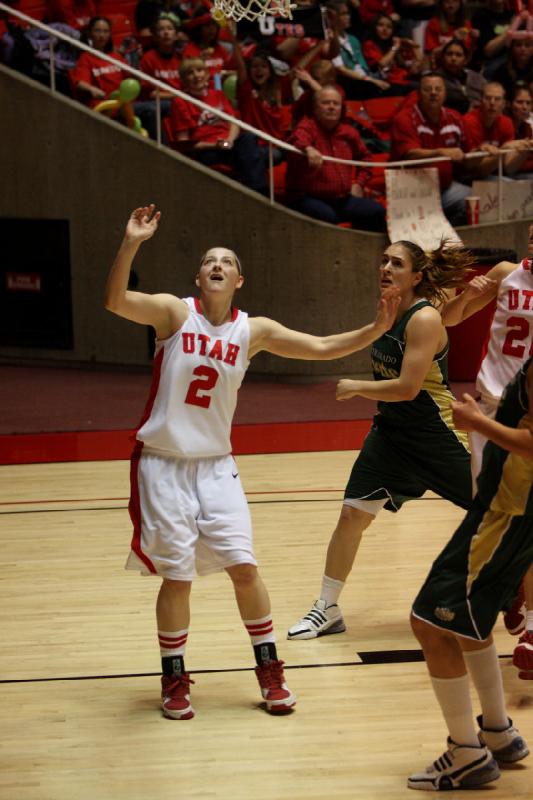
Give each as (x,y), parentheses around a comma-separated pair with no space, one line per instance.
(251,9)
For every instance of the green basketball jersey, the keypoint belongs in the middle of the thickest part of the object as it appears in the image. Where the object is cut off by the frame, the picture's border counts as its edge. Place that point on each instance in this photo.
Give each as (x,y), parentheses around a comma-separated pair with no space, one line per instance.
(506,479)
(432,405)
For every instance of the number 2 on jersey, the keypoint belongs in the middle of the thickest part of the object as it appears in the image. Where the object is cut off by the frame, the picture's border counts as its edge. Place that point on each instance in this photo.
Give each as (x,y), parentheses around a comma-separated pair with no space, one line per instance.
(519,330)
(207,378)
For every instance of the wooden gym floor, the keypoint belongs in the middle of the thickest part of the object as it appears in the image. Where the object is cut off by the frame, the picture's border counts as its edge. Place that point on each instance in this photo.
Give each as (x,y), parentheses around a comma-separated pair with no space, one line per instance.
(79,663)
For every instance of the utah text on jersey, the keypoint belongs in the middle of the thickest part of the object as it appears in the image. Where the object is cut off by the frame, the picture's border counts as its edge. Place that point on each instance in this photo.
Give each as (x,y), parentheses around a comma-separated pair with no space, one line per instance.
(201,344)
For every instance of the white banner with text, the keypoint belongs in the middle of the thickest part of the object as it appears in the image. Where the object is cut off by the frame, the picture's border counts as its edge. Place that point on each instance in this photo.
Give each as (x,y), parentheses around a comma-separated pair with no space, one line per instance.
(414,209)
(517,200)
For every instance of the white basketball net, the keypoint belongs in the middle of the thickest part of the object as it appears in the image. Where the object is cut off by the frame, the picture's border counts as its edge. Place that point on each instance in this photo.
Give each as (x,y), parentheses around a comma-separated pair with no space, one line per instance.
(251,9)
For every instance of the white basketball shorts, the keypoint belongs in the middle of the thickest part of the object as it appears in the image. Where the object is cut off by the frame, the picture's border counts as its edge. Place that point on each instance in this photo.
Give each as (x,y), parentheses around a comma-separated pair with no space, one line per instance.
(190,516)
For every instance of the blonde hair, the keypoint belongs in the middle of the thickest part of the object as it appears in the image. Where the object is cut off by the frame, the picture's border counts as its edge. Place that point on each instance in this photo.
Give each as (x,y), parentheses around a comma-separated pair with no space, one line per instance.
(445,267)
(189,64)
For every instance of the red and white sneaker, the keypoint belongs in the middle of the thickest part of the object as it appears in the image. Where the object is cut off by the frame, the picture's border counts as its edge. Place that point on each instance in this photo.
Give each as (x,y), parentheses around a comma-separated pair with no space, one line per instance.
(279,698)
(175,697)
(515,618)
(523,656)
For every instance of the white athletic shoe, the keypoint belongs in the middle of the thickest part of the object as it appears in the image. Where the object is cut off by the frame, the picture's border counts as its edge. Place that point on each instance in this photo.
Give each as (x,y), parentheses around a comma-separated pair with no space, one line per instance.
(506,746)
(460,767)
(319,621)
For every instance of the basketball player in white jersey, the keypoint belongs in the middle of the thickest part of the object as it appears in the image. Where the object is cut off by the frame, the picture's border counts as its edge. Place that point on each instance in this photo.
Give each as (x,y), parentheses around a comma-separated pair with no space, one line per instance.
(510,343)
(187,505)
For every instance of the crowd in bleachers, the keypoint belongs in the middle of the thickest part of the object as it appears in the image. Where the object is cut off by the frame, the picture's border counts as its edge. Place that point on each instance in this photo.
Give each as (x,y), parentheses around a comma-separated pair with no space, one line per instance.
(400,79)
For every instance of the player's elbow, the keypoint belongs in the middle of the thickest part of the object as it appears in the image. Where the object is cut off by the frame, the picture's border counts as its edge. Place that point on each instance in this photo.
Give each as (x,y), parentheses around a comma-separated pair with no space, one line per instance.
(112,304)
(527,449)
(408,391)
(325,349)
(448,320)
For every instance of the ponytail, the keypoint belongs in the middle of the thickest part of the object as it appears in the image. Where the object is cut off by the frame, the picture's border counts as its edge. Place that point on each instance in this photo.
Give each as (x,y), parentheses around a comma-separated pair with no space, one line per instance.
(446,267)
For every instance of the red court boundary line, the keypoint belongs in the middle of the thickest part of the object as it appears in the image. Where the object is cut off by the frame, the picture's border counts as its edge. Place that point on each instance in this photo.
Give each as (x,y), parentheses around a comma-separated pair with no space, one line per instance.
(284,437)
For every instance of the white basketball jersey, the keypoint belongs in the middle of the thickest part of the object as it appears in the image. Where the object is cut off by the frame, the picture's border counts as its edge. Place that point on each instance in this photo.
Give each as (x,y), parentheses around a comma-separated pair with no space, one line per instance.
(511,332)
(197,374)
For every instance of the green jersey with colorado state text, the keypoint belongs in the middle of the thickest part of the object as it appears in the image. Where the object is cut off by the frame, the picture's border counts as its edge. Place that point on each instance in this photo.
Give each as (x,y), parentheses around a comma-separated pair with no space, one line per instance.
(433,402)
(412,445)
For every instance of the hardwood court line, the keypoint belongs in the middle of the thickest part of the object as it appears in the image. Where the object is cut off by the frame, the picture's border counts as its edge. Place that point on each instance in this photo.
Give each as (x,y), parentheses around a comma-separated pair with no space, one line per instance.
(250,503)
(71,500)
(366,659)
(104,499)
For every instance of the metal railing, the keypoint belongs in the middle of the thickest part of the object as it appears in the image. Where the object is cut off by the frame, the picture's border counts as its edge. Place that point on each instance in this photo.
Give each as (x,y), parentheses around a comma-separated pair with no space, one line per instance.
(272,141)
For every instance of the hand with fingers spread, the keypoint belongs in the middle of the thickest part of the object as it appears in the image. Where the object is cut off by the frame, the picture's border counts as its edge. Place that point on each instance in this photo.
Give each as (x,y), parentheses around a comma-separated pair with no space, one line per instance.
(142,224)
(387,308)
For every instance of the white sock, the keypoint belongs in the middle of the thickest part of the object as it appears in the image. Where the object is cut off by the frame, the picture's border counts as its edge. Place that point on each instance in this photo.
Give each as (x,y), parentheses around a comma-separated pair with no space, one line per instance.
(261,630)
(529,621)
(330,590)
(453,695)
(485,672)
(172,643)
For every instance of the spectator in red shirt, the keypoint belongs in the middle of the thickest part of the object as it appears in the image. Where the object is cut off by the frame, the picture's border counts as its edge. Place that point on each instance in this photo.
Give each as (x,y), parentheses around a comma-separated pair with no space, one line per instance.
(370,9)
(323,189)
(520,108)
(428,130)
(260,94)
(397,61)
(203,32)
(209,139)
(162,62)
(76,13)
(93,79)
(489,129)
(450,22)
(321,73)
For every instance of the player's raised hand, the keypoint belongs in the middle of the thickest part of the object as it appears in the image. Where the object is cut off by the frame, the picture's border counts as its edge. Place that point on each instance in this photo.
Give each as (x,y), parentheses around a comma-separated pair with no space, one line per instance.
(387,308)
(479,285)
(143,223)
(465,413)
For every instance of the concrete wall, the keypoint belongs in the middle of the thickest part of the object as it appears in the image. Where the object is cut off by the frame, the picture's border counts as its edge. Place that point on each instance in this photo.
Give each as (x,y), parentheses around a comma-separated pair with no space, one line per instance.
(60,161)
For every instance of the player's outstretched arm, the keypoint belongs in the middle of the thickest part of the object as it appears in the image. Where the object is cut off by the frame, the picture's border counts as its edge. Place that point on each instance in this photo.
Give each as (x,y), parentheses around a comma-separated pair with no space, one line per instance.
(424,332)
(476,295)
(468,417)
(164,312)
(266,334)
